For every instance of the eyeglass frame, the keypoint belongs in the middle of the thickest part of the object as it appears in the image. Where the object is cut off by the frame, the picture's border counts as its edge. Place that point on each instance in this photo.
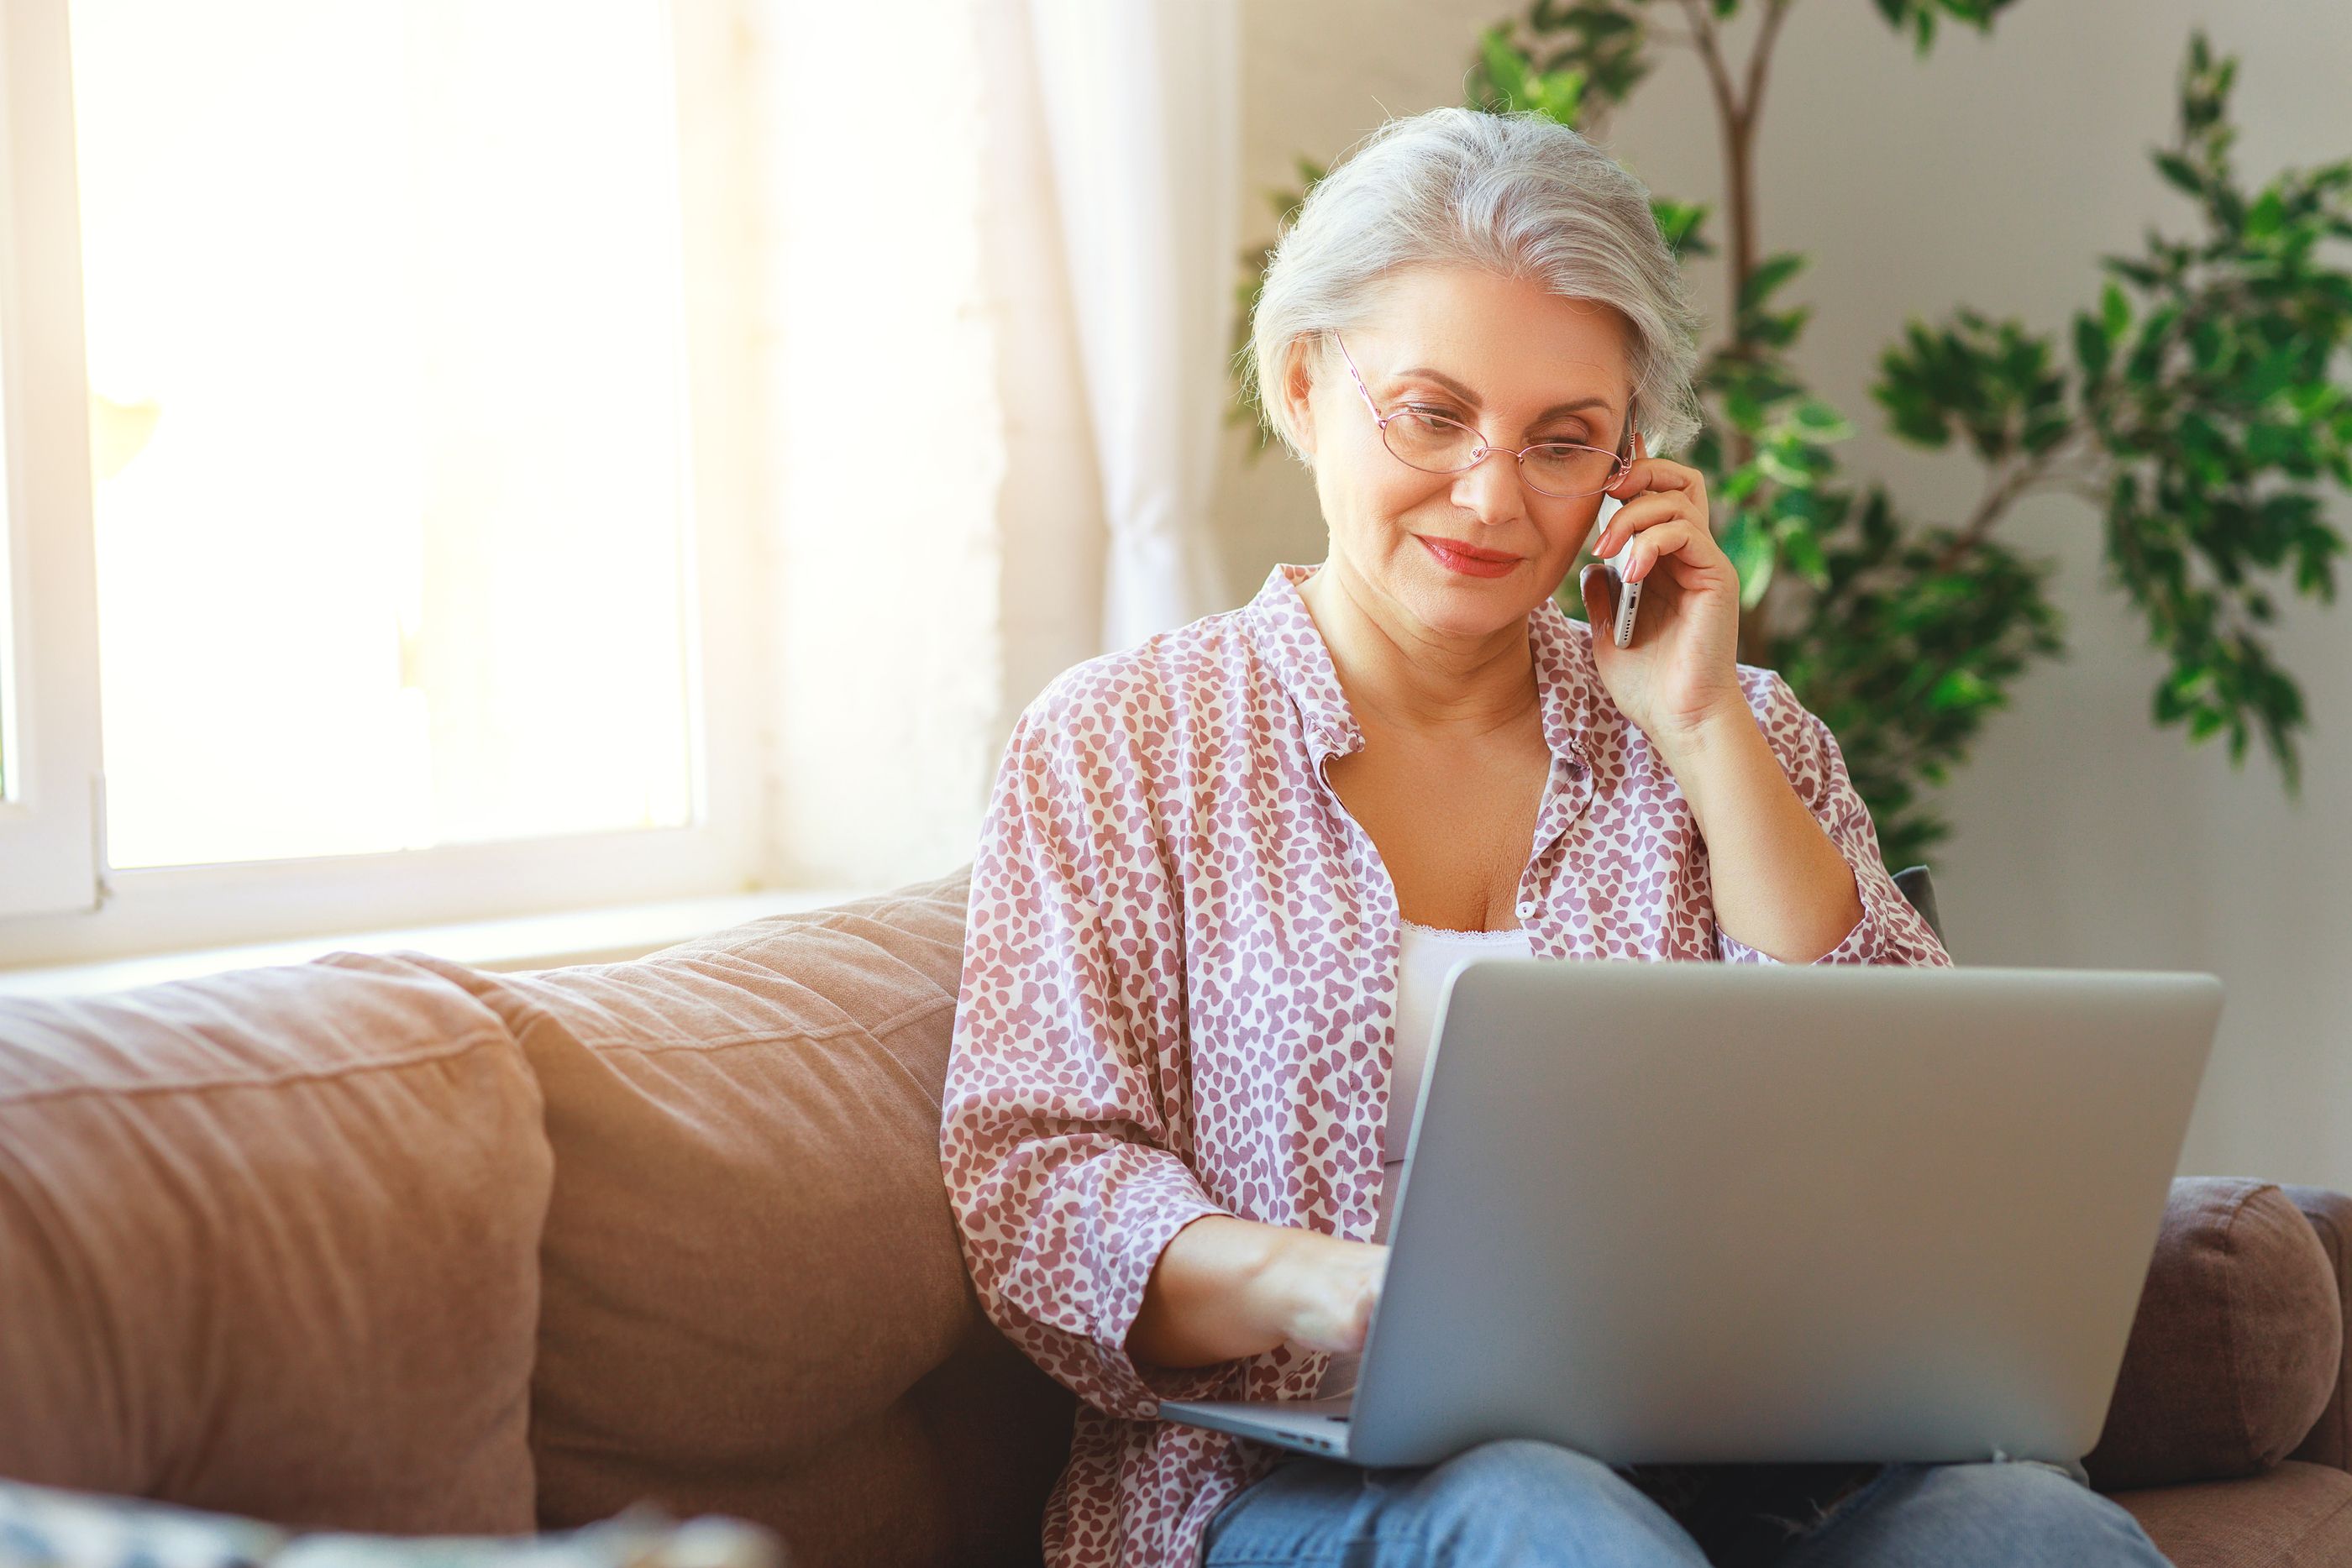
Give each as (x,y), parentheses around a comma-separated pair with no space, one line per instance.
(1623,461)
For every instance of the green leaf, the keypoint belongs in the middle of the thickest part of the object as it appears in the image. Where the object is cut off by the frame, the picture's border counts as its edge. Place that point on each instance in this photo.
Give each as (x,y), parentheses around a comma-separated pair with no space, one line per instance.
(2091,348)
(2043,432)
(2267,216)
(1740,406)
(1960,688)
(1679,224)
(1768,275)
(2115,312)
(2182,172)
(1821,421)
(1752,556)
(1779,465)
(1773,330)
(1804,556)
(1506,66)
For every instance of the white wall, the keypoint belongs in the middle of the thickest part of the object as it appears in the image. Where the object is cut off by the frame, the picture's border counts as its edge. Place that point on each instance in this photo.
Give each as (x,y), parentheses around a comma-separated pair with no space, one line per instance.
(1993,174)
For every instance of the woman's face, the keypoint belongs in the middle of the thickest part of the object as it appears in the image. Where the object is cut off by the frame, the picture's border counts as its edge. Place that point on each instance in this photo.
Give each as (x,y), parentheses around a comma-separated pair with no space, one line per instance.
(1505,357)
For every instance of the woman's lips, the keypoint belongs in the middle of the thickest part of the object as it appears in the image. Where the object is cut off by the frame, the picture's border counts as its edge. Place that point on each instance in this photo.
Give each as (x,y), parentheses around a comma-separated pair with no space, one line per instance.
(1455,559)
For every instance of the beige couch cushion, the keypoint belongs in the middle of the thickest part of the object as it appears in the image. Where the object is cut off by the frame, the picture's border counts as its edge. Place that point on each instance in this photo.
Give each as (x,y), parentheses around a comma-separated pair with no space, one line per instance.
(269,1245)
(2330,1214)
(2234,1346)
(754,1298)
(2296,1516)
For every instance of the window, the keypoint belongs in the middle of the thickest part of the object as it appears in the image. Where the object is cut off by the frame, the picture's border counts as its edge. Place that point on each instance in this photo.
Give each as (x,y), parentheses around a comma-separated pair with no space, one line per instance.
(407,562)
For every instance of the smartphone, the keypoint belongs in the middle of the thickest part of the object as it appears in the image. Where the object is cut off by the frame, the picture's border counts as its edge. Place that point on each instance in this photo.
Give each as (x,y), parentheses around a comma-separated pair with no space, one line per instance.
(1629,594)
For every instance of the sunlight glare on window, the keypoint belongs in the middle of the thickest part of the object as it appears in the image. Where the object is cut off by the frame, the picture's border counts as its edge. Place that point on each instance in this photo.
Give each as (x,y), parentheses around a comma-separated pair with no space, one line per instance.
(388,421)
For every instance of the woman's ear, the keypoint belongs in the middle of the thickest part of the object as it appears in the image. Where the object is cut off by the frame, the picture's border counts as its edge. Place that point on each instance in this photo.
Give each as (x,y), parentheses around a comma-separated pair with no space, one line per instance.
(1297,392)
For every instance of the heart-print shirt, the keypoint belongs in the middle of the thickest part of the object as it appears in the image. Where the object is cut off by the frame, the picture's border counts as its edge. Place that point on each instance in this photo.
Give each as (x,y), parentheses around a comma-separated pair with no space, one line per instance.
(1178,995)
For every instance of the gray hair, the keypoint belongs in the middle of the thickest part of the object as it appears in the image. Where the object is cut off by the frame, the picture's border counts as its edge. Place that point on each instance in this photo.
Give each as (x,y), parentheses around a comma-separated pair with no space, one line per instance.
(1518,194)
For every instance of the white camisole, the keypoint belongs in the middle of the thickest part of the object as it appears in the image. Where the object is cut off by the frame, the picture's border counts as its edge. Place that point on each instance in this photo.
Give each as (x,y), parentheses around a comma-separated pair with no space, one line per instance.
(1426,961)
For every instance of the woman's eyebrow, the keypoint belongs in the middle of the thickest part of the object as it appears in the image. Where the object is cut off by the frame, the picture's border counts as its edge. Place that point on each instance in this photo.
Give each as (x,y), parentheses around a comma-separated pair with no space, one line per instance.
(1467,395)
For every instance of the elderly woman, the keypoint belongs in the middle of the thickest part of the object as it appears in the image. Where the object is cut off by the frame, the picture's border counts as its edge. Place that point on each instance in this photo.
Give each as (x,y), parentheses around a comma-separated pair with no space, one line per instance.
(1224,873)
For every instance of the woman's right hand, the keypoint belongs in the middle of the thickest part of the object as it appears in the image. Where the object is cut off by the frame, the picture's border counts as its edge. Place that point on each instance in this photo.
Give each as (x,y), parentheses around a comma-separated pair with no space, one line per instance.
(1325,1288)
(1226,1288)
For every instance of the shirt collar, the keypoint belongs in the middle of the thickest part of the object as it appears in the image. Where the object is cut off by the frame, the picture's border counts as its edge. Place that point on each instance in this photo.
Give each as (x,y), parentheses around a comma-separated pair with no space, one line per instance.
(1292,646)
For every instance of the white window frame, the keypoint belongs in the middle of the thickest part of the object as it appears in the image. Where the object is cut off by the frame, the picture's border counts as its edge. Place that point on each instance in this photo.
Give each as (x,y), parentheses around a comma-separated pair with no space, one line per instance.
(48,672)
(52,847)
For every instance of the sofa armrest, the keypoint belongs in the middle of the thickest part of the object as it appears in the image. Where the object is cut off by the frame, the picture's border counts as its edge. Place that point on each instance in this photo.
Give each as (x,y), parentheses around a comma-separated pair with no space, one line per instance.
(2236,1349)
(2330,1214)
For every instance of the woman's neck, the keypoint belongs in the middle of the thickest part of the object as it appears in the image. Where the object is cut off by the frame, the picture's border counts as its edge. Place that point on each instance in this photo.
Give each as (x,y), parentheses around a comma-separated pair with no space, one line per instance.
(1399,675)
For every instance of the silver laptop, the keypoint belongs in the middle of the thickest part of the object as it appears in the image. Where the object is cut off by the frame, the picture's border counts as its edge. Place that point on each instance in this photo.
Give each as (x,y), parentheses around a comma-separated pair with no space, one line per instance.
(1664,1212)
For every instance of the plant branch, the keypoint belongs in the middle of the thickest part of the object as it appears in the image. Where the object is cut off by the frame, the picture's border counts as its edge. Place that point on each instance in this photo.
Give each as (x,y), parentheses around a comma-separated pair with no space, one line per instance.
(1774,14)
(1738,114)
(1996,500)
(2039,470)
(1703,38)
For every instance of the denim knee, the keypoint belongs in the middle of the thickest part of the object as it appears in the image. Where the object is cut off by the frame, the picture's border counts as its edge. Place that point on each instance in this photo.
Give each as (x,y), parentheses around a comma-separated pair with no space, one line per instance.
(1519,1502)
(2004,1513)
(1521,1499)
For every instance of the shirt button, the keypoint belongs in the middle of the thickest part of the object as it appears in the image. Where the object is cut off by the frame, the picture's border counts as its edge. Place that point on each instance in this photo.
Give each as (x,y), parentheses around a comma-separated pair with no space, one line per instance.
(1526,908)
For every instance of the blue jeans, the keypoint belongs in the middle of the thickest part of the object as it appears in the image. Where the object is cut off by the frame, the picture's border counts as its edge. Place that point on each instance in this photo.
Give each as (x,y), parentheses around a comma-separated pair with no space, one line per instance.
(1525,1502)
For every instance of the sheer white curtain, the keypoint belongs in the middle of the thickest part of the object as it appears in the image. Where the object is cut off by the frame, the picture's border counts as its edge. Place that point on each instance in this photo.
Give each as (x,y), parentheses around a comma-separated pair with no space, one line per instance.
(993,246)
(879,447)
(1140,105)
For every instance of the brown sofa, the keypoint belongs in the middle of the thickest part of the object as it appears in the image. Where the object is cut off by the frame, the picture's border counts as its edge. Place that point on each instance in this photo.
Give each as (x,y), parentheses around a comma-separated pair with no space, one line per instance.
(384,1242)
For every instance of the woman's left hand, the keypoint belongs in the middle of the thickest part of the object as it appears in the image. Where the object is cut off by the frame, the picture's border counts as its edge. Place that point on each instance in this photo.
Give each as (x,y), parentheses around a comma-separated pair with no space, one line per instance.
(1678,672)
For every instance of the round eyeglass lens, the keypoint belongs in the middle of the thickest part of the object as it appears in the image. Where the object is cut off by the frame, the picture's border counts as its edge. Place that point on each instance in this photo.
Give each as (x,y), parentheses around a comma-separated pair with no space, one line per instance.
(1430,441)
(1562,470)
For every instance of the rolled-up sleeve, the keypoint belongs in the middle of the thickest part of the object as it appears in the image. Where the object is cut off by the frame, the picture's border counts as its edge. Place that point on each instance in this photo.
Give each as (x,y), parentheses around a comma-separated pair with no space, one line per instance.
(1067,1066)
(1890,930)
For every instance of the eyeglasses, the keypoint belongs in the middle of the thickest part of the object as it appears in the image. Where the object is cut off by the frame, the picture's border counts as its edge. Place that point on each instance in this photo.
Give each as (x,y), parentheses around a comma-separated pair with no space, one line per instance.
(1424,439)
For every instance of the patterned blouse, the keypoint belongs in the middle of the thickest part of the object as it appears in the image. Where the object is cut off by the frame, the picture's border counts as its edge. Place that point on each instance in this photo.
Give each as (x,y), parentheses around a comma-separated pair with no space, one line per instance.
(1177,998)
